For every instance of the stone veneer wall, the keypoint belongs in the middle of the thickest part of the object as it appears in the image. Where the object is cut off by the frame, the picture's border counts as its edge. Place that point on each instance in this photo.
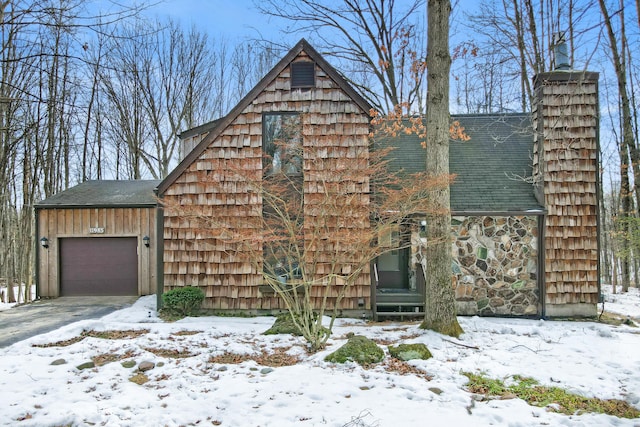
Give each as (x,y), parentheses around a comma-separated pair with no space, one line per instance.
(495,265)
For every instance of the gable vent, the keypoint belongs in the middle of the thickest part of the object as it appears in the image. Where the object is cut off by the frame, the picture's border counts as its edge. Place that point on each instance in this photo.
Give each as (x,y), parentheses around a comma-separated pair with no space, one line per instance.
(303,75)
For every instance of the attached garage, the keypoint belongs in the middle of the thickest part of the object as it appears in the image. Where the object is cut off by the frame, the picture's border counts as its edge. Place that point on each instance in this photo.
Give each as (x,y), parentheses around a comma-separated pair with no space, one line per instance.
(98,239)
(99,266)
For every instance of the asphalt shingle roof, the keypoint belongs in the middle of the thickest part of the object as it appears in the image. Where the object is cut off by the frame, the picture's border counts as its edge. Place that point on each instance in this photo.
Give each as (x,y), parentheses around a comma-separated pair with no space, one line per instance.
(491,168)
(105,193)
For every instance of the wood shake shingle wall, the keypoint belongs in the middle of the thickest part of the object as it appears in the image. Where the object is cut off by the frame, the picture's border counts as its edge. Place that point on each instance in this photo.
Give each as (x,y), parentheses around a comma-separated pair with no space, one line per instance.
(219,179)
(566,117)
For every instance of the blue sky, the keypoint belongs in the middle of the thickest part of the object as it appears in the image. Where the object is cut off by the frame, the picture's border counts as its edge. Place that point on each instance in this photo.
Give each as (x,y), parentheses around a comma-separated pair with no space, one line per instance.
(236,19)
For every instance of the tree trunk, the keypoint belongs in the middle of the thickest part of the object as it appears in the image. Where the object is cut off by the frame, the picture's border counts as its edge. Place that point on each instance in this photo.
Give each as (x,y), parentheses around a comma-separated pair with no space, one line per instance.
(440,308)
(627,144)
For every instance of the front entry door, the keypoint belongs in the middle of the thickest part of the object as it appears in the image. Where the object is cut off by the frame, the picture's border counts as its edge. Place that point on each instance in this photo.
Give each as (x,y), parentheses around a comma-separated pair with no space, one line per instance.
(393,272)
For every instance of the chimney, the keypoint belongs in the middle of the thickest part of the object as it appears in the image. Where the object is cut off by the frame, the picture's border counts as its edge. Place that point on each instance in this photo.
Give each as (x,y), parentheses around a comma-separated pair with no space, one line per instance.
(560,52)
(565,164)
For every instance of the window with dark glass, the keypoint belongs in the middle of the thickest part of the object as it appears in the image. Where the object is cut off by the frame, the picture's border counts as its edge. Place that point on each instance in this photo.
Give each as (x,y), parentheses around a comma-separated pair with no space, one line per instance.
(282,143)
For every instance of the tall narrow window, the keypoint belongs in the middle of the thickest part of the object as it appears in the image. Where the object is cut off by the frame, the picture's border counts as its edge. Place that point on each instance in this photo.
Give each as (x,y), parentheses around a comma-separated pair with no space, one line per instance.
(283,196)
(282,143)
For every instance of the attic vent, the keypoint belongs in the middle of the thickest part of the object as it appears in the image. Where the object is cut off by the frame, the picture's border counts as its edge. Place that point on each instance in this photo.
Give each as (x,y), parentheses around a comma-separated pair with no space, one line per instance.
(303,75)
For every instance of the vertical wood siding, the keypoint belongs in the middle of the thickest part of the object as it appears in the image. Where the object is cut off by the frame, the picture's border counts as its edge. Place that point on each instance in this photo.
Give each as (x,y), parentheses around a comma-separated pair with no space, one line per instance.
(56,224)
(335,131)
(566,160)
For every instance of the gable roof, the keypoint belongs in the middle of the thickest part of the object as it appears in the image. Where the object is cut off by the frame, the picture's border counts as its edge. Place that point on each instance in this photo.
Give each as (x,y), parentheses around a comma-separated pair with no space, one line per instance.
(491,168)
(198,130)
(105,193)
(218,126)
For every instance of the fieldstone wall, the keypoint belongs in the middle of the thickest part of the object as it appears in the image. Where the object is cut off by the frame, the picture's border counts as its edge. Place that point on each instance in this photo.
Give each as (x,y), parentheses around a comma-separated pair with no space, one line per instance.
(495,265)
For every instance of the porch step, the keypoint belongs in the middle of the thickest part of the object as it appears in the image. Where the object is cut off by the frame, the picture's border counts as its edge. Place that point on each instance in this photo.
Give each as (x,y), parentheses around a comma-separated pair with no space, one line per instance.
(400,313)
(399,309)
(399,304)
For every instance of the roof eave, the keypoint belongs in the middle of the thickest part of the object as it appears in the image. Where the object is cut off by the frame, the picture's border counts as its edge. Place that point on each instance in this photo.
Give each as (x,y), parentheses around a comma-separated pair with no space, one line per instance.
(511,212)
(94,205)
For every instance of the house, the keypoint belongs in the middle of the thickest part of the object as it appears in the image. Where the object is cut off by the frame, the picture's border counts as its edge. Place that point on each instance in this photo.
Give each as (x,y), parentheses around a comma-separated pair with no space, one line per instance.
(524,201)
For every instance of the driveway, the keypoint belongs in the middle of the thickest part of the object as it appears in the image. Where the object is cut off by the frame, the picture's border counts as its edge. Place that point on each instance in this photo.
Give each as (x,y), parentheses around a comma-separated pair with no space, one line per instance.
(39,317)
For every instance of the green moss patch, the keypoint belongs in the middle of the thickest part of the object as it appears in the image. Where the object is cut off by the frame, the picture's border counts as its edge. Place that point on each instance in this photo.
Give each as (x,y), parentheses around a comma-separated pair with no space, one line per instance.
(283,325)
(358,349)
(410,352)
(534,394)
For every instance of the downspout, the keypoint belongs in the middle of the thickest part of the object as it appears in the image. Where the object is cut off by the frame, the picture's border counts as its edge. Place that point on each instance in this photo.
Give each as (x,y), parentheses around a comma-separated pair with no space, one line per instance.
(542,266)
(37,249)
(373,275)
(159,252)
(598,196)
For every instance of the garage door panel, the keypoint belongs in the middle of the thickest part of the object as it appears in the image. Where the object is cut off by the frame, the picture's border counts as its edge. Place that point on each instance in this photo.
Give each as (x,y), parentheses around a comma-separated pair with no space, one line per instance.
(98,266)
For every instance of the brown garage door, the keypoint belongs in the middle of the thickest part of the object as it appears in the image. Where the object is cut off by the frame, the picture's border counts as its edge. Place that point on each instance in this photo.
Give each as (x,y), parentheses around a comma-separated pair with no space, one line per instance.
(98,266)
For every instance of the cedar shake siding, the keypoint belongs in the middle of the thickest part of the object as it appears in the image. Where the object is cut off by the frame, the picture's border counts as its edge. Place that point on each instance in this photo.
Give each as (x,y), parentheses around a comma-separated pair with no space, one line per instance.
(566,166)
(218,175)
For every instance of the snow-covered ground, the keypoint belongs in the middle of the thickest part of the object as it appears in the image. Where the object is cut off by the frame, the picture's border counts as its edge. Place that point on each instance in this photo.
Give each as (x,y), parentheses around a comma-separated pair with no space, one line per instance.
(584,357)
(18,291)
(627,304)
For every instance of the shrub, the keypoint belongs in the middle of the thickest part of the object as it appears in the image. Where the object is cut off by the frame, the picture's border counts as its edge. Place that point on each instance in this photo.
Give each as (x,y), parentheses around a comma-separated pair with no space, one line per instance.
(184,301)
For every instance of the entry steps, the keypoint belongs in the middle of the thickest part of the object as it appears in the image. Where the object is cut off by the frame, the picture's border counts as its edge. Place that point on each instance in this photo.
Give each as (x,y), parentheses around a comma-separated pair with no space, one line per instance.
(400,304)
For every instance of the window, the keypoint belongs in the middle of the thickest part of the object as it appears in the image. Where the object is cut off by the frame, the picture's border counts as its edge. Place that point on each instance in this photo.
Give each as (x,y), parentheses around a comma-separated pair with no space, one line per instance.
(303,75)
(283,198)
(282,143)
(390,238)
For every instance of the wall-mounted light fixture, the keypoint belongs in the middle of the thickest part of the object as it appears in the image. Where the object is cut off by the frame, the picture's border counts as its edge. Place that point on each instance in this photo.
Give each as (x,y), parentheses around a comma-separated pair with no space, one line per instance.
(44,242)
(146,240)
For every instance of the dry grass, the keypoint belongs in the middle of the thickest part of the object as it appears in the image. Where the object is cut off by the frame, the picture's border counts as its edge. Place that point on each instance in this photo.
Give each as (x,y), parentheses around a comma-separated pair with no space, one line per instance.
(169,352)
(276,359)
(116,335)
(139,378)
(185,333)
(391,364)
(103,359)
(63,343)
(110,335)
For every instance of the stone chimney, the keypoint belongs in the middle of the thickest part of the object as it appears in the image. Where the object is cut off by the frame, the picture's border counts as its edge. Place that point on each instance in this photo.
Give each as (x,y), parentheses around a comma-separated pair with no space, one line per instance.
(565,168)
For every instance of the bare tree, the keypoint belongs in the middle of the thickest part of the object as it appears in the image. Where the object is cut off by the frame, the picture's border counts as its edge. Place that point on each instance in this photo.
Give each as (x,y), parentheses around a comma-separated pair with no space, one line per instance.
(381,41)
(520,36)
(629,152)
(158,83)
(440,308)
(249,63)
(310,240)
(40,60)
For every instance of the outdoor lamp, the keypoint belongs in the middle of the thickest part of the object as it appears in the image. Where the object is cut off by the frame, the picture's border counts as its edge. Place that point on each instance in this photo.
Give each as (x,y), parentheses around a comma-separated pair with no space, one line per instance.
(146,240)
(44,242)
